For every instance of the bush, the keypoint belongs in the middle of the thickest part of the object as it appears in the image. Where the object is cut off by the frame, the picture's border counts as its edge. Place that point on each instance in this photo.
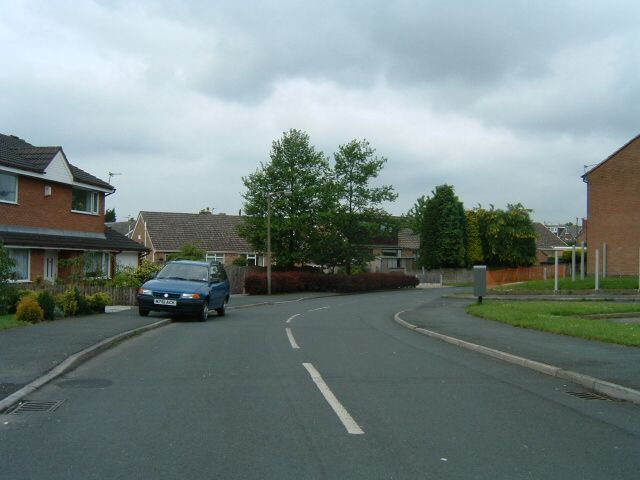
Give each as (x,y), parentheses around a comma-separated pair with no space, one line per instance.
(239,262)
(283,282)
(28,310)
(47,303)
(135,277)
(98,301)
(73,303)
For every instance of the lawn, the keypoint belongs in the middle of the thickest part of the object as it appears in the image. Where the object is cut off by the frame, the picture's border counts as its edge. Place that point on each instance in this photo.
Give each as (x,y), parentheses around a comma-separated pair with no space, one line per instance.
(566,318)
(9,321)
(610,283)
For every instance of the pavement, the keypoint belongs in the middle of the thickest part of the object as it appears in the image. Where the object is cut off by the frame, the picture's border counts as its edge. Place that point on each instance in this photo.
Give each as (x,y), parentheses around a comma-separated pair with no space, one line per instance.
(34,355)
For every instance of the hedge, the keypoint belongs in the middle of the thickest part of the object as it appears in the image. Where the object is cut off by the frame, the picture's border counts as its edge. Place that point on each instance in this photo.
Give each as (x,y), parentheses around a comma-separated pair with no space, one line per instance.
(287,282)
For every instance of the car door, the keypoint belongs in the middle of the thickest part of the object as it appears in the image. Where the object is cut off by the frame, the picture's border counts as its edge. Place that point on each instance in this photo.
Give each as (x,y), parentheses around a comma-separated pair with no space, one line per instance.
(217,285)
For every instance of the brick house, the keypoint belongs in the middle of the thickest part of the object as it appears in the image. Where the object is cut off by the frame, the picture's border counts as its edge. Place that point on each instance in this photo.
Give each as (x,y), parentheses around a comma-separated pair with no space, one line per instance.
(52,211)
(397,254)
(165,233)
(613,211)
(546,243)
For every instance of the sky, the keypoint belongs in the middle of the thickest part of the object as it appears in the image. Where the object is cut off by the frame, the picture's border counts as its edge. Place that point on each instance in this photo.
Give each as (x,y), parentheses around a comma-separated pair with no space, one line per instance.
(506,100)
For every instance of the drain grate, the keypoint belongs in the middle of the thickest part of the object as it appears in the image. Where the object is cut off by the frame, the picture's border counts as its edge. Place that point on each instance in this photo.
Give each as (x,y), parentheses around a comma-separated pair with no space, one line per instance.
(593,396)
(28,406)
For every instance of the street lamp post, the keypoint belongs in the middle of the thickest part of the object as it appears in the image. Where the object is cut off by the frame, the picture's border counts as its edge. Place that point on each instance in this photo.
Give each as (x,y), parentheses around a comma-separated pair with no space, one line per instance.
(286,193)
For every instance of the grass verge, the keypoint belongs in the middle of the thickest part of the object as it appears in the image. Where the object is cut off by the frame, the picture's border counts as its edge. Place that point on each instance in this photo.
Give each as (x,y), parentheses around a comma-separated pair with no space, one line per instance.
(9,321)
(566,318)
(589,283)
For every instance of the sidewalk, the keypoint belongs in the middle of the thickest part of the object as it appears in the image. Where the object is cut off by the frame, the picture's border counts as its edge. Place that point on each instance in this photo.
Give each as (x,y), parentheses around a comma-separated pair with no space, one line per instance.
(612,363)
(28,353)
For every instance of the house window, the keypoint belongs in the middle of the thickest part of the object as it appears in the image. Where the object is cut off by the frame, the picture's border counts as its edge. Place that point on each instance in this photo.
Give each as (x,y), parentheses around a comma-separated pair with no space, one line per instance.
(96,264)
(85,201)
(390,253)
(8,188)
(20,269)
(215,257)
(252,259)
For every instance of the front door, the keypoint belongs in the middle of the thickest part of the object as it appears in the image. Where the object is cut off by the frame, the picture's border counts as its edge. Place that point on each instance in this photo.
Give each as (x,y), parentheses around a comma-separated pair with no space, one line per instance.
(50,265)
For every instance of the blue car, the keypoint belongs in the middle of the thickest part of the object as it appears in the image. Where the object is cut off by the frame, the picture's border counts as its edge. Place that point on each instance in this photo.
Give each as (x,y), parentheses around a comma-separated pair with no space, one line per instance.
(186,287)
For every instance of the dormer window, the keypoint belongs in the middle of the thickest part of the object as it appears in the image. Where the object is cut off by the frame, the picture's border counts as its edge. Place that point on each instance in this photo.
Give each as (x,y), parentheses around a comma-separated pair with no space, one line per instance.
(8,188)
(84,201)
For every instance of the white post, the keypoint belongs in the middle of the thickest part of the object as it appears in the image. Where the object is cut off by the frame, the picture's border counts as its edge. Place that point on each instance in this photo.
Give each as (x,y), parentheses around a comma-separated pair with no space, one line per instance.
(582,262)
(555,267)
(573,263)
(604,260)
(597,270)
(639,270)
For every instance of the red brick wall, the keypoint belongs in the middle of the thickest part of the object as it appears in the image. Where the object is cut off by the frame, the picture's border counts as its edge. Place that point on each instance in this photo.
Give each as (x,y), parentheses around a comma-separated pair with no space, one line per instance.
(613,212)
(36,210)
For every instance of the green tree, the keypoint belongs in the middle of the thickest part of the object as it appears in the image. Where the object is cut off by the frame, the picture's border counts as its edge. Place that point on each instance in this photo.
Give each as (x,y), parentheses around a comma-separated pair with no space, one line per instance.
(110,215)
(413,218)
(188,252)
(358,214)
(508,236)
(443,231)
(299,219)
(6,270)
(473,247)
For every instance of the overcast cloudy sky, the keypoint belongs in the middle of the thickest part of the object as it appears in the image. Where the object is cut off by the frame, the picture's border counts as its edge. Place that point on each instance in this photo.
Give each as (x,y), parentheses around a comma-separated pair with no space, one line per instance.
(505,100)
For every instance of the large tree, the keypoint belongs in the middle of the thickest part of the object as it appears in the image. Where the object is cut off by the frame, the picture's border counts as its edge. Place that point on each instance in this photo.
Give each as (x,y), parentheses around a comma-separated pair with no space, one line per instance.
(358,214)
(297,183)
(508,236)
(443,230)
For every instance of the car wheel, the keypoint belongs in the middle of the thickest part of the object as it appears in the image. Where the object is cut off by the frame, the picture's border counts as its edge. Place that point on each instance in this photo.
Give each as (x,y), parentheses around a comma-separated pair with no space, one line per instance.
(221,311)
(204,313)
(142,312)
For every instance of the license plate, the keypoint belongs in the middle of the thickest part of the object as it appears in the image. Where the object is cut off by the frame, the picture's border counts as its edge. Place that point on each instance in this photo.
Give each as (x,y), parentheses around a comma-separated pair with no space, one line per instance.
(164,301)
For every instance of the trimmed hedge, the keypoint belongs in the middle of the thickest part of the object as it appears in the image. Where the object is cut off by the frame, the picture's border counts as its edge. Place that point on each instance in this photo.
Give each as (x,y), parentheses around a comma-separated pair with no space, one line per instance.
(287,282)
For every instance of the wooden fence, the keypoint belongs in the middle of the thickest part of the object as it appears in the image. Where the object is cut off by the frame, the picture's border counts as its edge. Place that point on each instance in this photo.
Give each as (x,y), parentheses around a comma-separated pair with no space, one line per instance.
(524,274)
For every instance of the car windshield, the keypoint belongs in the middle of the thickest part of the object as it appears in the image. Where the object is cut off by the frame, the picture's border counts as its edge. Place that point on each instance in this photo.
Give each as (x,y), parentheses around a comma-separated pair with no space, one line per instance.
(181,271)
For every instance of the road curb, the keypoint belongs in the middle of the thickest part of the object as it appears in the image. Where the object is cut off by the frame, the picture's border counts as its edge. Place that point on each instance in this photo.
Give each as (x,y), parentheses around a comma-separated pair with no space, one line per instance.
(74,361)
(603,387)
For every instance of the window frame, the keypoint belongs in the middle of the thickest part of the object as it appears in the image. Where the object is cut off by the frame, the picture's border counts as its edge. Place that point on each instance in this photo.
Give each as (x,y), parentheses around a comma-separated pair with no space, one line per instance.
(15,177)
(105,261)
(215,257)
(27,279)
(90,195)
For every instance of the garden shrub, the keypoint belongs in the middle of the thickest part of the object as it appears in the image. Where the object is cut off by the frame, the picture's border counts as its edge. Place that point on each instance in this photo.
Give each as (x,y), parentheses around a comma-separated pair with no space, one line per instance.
(28,310)
(135,277)
(283,282)
(73,302)
(47,303)
(98,301)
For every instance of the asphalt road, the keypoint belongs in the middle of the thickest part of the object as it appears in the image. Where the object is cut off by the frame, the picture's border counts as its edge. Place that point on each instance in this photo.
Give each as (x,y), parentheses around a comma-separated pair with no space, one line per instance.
(326,388)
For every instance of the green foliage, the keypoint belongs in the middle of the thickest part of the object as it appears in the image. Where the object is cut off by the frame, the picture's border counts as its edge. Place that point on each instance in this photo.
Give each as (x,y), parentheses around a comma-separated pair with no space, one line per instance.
(188,252)
(566,256)
(297,220)
(98,301)
(473,247)
(6,268)
(414,218)
(508,236)
(358,213)
(110,215)
(73,302)
(28,310)
(47,303)
(239,262)
(134,277)
(443,229)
